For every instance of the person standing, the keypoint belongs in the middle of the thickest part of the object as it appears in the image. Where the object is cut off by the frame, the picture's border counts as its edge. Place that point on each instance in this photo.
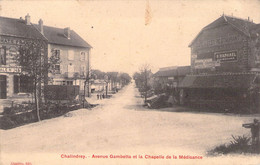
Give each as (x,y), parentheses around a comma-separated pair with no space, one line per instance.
(255,126)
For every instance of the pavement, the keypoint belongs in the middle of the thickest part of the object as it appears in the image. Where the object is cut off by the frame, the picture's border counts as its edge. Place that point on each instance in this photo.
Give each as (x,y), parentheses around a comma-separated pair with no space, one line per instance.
(122,127)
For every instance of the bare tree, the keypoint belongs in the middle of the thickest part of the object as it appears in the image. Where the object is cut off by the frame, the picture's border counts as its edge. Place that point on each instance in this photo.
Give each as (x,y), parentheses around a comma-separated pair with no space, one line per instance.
(145,75)
(35,64)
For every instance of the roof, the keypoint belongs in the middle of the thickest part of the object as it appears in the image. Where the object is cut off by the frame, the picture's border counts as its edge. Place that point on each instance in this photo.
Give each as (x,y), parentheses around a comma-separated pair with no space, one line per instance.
(56,36)
(218,81)
(173,71)
(241,25)
(18,28)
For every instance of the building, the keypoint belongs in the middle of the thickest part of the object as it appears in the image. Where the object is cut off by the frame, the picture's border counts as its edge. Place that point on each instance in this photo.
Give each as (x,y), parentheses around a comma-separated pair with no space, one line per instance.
(225,65)
(13,34)
(74,54)
(168,78)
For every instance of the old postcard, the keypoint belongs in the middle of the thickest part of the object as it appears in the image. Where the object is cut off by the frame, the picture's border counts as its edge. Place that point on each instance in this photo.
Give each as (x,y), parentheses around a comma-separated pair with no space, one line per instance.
(129,82)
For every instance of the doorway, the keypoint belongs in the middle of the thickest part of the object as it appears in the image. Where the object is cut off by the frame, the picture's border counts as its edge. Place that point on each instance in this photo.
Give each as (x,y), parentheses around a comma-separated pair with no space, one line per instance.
(2,87)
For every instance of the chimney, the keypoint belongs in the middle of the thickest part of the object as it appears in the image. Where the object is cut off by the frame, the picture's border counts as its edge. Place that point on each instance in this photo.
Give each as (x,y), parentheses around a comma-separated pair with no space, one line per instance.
(28,19)
(67,32)
(41,25)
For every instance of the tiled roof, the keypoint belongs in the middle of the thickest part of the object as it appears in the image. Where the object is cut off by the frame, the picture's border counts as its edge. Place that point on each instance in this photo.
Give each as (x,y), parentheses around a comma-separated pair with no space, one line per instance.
(241,25)
(56,36)
(179,71)
(18,28)
(218,81)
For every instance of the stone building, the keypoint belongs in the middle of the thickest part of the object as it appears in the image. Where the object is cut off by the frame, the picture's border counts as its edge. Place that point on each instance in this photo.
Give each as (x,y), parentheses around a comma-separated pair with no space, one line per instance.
(13,34)
(63,43)
(74,54)
(225,65)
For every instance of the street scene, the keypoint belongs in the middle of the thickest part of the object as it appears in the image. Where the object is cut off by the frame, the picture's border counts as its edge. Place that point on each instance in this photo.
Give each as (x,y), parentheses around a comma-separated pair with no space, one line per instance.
(129,82)
(121,125)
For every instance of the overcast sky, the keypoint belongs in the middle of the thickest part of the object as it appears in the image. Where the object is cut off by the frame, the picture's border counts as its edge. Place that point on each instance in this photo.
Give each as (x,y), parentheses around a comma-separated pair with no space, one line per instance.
(117,32)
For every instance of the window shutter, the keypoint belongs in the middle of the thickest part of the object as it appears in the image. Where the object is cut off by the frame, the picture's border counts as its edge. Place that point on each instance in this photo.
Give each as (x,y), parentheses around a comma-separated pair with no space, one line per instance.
(16,84)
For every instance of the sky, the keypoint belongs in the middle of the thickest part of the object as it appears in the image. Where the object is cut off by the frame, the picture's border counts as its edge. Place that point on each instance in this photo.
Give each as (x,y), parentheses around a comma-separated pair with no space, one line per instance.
(122,38)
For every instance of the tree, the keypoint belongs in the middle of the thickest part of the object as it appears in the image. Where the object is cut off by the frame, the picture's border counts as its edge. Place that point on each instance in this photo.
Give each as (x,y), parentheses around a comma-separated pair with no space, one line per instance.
(35,64)
(113,77)
(125,78)
(142,79)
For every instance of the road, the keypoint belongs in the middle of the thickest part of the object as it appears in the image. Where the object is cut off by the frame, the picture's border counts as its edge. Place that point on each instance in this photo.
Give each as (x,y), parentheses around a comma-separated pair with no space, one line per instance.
(120,125)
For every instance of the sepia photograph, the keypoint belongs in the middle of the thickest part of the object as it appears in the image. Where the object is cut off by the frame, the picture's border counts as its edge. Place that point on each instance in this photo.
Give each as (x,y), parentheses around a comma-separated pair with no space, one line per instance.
(129,82)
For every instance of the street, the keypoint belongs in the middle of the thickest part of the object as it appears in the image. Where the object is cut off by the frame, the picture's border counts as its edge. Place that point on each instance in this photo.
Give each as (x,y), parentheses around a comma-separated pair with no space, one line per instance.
(120,125)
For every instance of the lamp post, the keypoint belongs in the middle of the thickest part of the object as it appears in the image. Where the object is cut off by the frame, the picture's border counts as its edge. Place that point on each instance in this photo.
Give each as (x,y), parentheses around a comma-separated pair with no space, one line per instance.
(106,80)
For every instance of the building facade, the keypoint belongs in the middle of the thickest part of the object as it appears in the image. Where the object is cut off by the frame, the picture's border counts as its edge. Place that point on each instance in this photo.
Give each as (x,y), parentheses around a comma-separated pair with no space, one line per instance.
(63,44)
(225,65)
(73,52)
(14,33)
(167,79)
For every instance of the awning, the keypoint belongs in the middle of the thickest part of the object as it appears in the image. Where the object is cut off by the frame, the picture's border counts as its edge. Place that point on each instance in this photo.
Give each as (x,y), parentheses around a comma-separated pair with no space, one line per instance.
(234,80)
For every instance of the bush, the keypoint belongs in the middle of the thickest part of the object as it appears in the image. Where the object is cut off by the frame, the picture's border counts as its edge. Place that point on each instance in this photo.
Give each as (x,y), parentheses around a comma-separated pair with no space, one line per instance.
(239,144)
(24,114)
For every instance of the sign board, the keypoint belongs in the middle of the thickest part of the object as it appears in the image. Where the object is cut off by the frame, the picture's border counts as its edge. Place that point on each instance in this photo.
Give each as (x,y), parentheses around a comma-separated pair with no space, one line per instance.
(226,56)
(10,69)
(206,63)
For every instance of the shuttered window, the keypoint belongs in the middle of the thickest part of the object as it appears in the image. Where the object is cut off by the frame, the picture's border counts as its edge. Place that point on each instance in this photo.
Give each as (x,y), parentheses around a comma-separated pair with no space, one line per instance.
(3,55)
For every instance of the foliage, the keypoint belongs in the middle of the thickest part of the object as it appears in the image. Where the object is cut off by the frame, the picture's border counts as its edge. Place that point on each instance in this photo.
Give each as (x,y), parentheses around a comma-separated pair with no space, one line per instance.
(35,64)
(142,79)
(239,144)
(14,117)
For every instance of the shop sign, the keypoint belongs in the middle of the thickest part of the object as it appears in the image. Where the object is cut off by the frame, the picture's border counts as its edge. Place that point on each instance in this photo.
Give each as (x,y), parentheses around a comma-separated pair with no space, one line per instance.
(226,56)
(10,69)
(206,63)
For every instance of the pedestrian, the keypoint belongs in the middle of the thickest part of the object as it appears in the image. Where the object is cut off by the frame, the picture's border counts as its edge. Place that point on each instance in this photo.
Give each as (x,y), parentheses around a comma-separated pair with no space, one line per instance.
(97,96)
(103,95)
(255,126)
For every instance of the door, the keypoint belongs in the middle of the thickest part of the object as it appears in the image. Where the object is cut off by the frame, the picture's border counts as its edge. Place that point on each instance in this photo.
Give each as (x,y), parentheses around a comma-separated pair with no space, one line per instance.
(2,87)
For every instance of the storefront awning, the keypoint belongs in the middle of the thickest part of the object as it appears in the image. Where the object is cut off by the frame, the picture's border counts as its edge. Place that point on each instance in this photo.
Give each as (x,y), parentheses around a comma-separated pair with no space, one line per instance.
(234,80)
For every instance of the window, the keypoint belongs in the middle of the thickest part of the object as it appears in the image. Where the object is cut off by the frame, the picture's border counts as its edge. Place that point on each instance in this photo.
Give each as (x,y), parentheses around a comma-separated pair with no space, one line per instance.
(56,53)
(70,55)
(3,55)
(69,82)
(70,70)
(57,68)
(82,56)
(23,84)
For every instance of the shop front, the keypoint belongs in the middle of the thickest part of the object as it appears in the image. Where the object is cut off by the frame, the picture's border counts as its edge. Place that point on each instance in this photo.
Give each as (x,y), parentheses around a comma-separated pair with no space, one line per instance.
(230,91)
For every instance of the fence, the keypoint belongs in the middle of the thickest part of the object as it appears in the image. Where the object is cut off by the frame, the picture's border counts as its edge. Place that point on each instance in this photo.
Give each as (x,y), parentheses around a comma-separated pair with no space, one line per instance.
(61,92)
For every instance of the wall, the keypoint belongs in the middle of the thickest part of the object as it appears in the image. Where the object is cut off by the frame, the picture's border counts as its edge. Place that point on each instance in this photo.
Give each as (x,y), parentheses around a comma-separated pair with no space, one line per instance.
(222,39)
(12,45)
(65,62)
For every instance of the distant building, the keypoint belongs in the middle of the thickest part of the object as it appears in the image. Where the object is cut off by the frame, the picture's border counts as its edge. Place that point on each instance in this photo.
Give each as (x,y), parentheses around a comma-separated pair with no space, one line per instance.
(225,64)
(73,51)
(13,34)
(170,77)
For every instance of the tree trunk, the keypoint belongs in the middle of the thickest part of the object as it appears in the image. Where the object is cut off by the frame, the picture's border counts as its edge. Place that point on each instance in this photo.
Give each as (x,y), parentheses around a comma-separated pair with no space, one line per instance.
(84,95)
(36,97)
